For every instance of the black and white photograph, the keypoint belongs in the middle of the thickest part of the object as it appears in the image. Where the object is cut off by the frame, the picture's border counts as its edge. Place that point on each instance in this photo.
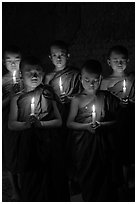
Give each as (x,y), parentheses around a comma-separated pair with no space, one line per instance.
(68,101)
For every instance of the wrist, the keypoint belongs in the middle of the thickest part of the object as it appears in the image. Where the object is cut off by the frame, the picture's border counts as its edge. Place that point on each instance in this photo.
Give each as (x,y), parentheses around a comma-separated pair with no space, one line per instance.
(42,123)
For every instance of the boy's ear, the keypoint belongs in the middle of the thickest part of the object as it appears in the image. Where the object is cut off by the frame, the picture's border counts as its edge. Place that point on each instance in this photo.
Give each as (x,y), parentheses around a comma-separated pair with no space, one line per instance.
(68,55)
(80,77)
(128,60)
(108,61)
(3,61)
(50,57)
(101,77)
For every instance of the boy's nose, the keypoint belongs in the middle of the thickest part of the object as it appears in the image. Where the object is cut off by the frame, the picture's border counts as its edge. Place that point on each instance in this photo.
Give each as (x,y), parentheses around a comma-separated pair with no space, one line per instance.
(12,63)
(59,57)
(120,62)
(34,75)
(92,84)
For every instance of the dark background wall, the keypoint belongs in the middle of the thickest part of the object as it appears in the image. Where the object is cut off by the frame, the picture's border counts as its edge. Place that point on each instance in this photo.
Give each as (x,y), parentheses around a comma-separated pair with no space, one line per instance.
(89,28)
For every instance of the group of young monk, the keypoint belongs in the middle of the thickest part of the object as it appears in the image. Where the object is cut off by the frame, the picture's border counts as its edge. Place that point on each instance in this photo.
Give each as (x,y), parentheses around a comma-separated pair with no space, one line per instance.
(69,127)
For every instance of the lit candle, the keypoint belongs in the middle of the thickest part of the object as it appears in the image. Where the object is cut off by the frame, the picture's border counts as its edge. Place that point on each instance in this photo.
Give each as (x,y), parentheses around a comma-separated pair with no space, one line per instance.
(93,115)
(124,87)
(14,77)
(61,86)
(32,106)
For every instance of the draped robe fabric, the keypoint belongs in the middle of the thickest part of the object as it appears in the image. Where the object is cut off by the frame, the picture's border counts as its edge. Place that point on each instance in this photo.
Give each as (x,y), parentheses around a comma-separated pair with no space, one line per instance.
(70,81)
(117,88)
(37,152)
(7,141)
(126,119)
(34,149)
(71,85)
(93,153)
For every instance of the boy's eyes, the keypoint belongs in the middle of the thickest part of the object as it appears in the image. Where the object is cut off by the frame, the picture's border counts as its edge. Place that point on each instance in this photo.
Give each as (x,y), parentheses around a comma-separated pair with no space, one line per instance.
(61,55)
(12,61)
(86,80)
(116,61)
(92,82)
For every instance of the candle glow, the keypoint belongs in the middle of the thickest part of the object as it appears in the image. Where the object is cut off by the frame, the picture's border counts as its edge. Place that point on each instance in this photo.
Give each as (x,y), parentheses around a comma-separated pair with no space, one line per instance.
(124,86)
(32,106)
(14,77)
(93,114)
(60,85)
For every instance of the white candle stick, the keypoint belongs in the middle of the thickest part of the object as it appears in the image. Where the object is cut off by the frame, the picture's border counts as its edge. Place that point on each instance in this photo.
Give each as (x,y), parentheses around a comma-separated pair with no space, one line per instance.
(61,86)
(32,106)
(93,115)
(124,87)
(14,77)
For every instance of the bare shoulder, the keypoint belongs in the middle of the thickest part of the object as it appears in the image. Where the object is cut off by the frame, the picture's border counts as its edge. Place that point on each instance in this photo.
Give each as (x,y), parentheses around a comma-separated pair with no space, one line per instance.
(76,99)
(105,83)
(49,77)
(15,98)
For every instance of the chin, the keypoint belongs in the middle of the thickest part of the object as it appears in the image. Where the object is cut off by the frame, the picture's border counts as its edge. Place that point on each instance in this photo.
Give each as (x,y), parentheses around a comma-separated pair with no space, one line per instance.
(91,91)
(120,70)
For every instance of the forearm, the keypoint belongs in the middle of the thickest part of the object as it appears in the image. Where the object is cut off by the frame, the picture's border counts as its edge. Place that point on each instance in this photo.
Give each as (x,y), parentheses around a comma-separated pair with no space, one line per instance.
(108,123)
(51,123)
(17,126)
(78,126)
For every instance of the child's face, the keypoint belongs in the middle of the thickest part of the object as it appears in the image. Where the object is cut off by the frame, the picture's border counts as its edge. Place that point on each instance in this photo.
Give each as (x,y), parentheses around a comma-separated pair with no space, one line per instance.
(118,62)
(32,75)
(90,82)
(12,61)
(58,57)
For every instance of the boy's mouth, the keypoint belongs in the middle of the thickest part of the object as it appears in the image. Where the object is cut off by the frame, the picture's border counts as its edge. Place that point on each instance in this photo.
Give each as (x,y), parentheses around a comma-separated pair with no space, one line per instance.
(34,80)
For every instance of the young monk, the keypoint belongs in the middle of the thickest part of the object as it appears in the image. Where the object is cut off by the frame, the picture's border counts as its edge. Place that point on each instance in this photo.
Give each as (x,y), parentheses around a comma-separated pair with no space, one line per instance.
(92,119)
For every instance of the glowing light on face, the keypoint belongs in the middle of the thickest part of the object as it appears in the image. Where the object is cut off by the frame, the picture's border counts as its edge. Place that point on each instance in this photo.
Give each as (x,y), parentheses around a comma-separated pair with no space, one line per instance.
(58,57)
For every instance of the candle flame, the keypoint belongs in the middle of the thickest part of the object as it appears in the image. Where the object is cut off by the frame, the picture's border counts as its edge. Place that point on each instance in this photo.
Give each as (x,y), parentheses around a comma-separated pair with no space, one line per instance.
(93,109)
(14,76)
(60,84)
(124,83)
(32,100)
(14,73)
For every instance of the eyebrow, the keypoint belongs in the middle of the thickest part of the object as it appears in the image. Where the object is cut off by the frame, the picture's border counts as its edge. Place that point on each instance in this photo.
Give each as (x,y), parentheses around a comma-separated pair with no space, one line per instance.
(18,57)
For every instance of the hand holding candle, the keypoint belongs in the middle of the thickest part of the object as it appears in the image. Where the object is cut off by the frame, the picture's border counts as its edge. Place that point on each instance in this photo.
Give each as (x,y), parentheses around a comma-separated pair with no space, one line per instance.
(125,97)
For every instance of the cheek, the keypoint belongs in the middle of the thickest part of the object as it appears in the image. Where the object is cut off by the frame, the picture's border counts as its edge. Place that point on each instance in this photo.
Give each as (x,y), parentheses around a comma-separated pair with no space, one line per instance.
(113,66)
(96,86)
(40,78)
(53,60)
(17,66)
(124,66)
(84,85)
(8,66)
(64,60)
